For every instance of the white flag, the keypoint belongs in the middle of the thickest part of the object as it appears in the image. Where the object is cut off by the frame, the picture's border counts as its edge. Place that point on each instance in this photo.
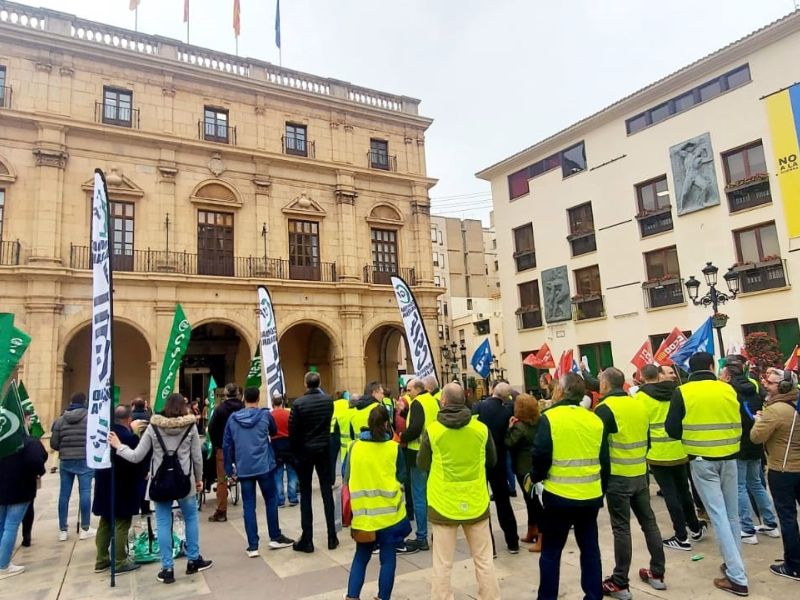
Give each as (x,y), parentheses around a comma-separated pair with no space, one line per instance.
(98,454)
(421,354)
(271,370)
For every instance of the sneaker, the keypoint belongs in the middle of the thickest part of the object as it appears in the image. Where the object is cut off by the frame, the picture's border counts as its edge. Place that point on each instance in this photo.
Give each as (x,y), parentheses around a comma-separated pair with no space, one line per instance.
(407,548)
(783,571)
(677,544)
(421,545)
(197,565)
(218,517)
(253,553)
(11,570)
(26,542)
(166,576)
(300,546)
(655,582)
(726,585)
(127,567)
(293,503)
(102,567)
(513,549)
(769,530)
(701,533)
(85,534)
(615,590)
(749,538)
(62,536)
(281,542)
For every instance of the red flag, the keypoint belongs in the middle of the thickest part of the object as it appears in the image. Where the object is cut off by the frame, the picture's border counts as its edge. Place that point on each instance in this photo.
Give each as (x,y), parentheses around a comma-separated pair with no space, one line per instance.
(134,4)
(541,359)
(564,364)
(643,356)
(237,13)
(794,359)
(669,346)
(185,11)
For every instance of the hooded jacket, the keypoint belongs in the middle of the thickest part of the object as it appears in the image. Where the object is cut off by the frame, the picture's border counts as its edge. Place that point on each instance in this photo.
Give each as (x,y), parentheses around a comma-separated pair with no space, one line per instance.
(751,403)
(128,478)
(172,430)
(69,433)
(19,472)
(773,429)
(216,428)
(247,442)
(360,404)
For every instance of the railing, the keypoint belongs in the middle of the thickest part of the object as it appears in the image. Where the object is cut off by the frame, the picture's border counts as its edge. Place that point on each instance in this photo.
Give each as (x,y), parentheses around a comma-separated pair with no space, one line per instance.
(663,293)
(529,317)
(755,277)
(9,252)
(298,147)
(749,196)
(588,307)
(525,260)
(384,276)
(320,271)
(215,132)
(5,96)
(379,160)
(115,37)
(653,223)
(225,63)
(582,243)
(24,16)
(112,114)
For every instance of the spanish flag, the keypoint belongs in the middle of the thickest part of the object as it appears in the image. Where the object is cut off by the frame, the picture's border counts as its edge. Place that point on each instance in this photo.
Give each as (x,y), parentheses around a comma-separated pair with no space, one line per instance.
(783,111)
(237,18)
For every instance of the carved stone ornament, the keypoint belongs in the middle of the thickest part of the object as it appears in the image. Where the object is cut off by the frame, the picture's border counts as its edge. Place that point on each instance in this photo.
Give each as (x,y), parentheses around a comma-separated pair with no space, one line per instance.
(119,185)
(66,71)
(263,185)
(168,91)
(43,67)
(261,110)
(345,195)
(304,206)
(348,128)
(215,165)
(168,170)
(47,157)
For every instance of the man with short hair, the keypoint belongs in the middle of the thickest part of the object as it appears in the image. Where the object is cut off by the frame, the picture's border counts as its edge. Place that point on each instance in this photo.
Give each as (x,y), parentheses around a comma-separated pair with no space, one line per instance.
(667,373)
(705,415)
(216,431)
(359,413)
(246,444)
(309,438)
(283,453)
(626,426)
(432,387)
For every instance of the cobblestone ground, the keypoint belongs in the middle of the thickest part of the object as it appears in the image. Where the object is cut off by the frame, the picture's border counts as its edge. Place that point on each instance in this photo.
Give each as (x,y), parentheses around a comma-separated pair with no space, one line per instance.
(64,570)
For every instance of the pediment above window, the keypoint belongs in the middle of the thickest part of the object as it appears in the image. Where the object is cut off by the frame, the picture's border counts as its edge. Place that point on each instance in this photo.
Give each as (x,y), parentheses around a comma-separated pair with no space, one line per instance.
(118,184)
(304,206)
(385,214)
(216,192)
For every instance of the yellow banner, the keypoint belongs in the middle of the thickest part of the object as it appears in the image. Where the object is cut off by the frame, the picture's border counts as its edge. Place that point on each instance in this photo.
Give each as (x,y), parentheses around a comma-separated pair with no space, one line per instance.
(783,111)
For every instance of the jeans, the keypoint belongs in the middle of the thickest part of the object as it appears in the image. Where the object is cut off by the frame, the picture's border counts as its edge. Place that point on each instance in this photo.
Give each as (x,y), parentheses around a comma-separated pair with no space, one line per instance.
(479,540)
(103,541)
(291,483)
(358,570)
(785,488)
(188,507)
(70,469)
(674,484)
(502,502)
(321,462)
(419,489)
(717,484)
(266,484)
(10,518)
(626,494)
(555,529)
(750,481)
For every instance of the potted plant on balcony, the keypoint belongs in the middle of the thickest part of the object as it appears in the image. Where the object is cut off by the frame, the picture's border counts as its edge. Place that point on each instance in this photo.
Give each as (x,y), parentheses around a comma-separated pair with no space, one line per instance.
(660,282)
(746,182)
(651,212)
(769,261)
(719,320)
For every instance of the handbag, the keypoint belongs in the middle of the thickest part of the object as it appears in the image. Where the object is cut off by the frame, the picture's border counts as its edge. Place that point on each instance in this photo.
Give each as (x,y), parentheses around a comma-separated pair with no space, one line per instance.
(362,537)
(347,510)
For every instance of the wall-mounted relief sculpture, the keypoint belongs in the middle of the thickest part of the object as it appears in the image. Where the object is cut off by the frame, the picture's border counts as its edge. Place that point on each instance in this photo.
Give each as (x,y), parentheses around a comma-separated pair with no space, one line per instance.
(694,174)
(555,284)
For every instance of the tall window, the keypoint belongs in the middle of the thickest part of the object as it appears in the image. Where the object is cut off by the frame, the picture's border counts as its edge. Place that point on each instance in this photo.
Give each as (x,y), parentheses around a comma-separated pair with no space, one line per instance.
(529,313)
(757,244)
(2,211)
(379,154)
(744,162)
(304,250)
(4,97)
(524,250)
(295,140)
(214,243)
(117,106)
(597,355)
(653,195)
(573,160)
(215,124)
(581,229)
(122,214)
(587,281)
(662,263)
(384,254)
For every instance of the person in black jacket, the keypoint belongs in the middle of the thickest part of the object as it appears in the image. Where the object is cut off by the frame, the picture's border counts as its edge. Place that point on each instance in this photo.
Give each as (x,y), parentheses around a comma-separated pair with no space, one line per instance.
(19,473)
(216,431)
(309,438)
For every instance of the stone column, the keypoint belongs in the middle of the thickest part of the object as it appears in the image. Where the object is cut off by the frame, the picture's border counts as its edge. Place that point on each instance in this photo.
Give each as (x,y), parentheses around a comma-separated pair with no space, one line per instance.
(50,154)
(43,378)
(154,367)
(346,266)
(263,185)
(351,369)
(421,210)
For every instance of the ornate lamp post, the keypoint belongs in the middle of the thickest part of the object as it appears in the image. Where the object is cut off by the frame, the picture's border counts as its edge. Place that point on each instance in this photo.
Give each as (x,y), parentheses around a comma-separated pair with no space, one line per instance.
(454,360)
(462,352)
(714,297)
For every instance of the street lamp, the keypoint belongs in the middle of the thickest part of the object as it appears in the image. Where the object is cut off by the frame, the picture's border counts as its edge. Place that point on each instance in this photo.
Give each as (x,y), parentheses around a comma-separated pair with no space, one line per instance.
(462,353)
(714,297)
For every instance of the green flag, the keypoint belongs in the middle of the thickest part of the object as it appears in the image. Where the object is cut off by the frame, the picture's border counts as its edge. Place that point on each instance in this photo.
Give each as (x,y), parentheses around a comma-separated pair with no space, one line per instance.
(12,422)
(254,374)
(36,429)
(212,386)
(176,348)
(13,344)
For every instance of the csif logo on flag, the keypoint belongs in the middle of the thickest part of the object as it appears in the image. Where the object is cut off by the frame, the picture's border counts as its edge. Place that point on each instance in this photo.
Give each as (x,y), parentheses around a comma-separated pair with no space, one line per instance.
(9,424)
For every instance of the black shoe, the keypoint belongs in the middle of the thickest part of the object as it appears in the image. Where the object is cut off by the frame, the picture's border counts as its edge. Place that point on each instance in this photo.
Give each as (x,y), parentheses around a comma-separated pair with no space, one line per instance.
(166,576)
(700,533)
(301,546)
(407,548)
(197,565)
(281,542)
(26,542)
(783,571)
(420,545)
(333,542)
(513,549)
(127,567)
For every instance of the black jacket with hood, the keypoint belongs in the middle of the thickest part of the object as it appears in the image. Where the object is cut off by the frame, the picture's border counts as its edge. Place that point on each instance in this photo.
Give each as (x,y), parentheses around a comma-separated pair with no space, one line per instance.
(751,402)
(69,433)
(219,419)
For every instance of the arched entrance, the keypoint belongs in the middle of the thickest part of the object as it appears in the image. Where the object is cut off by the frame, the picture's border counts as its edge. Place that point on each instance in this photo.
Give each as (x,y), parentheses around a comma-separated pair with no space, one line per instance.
(215,349)
(304,347)
(386,356)
(131,368)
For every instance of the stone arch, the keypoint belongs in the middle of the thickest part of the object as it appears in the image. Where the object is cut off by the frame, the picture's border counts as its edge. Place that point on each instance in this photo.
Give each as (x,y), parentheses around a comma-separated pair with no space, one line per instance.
(385,213)
(310,344)
(318,321)
(244,332)
(219,347)
(216,192)
(81,320)
(386,353)
(7,172)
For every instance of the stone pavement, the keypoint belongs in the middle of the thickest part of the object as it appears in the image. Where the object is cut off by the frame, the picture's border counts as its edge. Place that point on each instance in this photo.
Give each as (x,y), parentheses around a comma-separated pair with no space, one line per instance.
(63,570)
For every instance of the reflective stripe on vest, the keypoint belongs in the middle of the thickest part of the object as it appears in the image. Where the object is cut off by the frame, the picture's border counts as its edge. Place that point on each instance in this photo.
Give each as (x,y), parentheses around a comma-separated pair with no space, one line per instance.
(457,480)
(376,496)
(712,426)
(431,409)
(662,447)
(627,448)
(577,436)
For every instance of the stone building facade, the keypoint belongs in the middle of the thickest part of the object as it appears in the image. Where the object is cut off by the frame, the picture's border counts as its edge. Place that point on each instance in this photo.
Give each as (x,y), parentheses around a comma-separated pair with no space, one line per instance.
(223,173)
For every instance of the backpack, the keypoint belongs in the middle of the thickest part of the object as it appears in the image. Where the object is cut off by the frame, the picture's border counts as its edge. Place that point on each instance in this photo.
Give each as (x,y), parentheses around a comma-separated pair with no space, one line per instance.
(170,482)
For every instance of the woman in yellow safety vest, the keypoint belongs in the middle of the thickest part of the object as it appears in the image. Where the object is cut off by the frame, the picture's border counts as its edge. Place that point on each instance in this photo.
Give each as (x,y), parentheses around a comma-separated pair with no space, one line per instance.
(373,471)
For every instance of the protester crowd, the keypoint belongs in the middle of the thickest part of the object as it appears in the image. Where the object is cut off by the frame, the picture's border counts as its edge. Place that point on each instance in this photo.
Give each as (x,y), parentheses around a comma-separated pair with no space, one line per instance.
(431,458)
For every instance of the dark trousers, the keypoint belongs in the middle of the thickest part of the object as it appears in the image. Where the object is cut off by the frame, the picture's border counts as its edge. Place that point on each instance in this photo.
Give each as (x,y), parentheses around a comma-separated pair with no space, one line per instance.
(103,541)
(410,459)
(785,488)
(532,504)
(626,494)
(306,465)
(674,484)
(555,529)
(502,502)
(27,523)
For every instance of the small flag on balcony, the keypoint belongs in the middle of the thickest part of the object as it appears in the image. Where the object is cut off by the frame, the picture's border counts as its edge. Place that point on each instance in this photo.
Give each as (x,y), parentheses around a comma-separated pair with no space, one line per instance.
(237,17)
(278,24)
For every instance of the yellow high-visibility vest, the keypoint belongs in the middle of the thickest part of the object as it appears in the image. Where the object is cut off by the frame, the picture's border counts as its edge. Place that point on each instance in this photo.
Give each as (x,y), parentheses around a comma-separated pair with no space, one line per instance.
(359,417)
(376,497)
(431,409)
(627,448)
(712,426)
(662,447)
(341,415)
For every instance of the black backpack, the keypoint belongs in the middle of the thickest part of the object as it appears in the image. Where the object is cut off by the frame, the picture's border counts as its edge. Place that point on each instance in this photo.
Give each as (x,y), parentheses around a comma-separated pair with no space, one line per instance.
(170,482)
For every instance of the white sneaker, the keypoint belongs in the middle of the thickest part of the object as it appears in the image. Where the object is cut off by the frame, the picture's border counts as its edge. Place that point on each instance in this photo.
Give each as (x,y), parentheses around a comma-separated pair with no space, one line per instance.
(772,532)
(749,539)
(62,536)
(87,533)
(253,553)
(11,570)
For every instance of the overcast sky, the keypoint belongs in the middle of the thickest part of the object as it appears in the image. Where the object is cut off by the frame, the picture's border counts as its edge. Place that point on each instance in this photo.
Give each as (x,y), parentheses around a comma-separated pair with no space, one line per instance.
(495,75)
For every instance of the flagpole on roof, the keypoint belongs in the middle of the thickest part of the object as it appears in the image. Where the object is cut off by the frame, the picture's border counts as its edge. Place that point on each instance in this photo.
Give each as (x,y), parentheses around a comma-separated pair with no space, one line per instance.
(186,18)
(278,32)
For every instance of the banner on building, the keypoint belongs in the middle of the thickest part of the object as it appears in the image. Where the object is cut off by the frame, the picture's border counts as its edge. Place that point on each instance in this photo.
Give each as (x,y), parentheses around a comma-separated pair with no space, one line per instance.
(671,344)
(783,112)
(418,342)
(101,379)
(541,359)
(271,370)
(178,343)
(254,373)
(643,356)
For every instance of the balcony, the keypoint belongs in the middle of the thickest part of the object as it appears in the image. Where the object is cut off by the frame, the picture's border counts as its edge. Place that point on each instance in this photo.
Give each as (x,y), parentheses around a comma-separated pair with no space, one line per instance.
(749,194)
(384,276)
(113,114)
(765,275)
(216,132)
(5,96)
(529,317)
(652,222)
(582,242)
(525,260)
(9,253)
(664,292)
(588,307)
(185,263)
(298,147)
(380,160)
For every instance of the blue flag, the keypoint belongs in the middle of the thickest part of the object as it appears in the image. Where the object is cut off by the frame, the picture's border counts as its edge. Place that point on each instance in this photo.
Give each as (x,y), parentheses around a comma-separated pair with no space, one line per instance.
(701,340)
(278,24)
(482,359)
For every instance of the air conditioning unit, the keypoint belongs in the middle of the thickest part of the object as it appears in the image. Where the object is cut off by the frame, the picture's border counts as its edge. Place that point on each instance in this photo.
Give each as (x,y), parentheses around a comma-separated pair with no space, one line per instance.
(480,315)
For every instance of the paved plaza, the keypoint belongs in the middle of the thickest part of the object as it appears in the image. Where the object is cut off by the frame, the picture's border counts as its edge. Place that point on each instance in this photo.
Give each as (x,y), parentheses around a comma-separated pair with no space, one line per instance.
(64,570)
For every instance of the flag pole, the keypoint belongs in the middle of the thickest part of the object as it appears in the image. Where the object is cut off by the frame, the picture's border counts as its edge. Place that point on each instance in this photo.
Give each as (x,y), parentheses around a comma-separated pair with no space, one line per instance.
(135,28)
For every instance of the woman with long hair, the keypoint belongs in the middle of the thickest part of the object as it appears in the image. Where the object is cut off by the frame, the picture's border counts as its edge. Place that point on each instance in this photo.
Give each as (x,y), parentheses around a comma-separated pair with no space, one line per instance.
(519,441)
(374,470)
(173,432)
